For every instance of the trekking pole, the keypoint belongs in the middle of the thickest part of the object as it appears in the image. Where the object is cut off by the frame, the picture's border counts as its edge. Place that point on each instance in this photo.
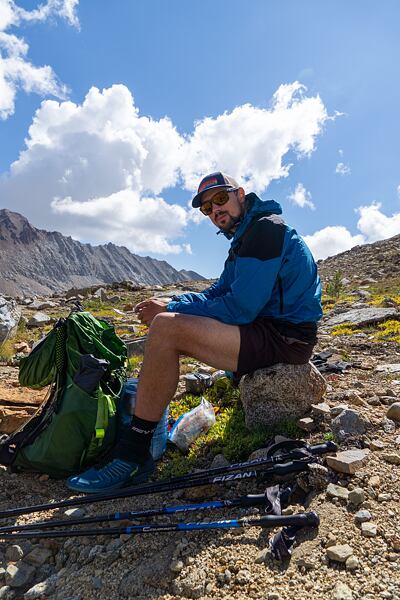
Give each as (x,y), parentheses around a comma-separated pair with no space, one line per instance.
(217,475)
(247,501)
(309,519)
(297,466)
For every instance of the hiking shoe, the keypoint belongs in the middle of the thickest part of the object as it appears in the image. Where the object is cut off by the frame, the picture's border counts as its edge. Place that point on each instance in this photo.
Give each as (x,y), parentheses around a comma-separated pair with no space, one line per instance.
(116,474)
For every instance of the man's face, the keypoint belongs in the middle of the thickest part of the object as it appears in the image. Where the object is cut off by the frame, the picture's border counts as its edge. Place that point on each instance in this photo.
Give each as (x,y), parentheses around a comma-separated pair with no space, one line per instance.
(225,217)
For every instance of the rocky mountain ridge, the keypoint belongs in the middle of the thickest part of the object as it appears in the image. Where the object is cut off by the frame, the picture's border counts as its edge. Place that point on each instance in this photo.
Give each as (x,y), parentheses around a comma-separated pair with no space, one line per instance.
(379,260)
(35,261)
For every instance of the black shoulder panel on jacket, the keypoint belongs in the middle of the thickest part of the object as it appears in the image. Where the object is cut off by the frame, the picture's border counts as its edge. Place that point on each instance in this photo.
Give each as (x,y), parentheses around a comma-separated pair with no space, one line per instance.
(263,239)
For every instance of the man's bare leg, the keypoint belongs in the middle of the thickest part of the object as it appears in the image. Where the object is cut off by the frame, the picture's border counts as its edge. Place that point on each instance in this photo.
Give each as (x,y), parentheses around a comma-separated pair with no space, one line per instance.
(172,335)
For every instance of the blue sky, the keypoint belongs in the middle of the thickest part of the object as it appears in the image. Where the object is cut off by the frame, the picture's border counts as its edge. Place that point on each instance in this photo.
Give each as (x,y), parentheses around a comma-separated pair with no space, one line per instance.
(110,112)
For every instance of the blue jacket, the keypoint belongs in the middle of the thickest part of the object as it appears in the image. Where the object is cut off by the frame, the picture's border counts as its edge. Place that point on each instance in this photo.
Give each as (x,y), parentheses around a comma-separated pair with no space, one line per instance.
(269,272)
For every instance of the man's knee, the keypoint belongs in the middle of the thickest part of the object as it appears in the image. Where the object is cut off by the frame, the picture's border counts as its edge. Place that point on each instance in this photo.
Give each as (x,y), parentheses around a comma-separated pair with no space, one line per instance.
(172,326)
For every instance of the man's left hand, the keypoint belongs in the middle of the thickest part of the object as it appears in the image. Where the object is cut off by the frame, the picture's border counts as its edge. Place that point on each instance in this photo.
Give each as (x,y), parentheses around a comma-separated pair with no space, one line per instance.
(148,309)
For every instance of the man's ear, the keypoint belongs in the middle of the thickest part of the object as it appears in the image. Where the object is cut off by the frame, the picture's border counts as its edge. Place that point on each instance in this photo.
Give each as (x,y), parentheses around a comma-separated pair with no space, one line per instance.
(242,195)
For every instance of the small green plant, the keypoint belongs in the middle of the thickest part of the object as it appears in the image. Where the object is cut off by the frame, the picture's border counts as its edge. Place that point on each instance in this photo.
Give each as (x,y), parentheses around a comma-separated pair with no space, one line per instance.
(328,436)
(345,329)
(134,365)
(6,350)
(228,436)
(335,287)
(390,331)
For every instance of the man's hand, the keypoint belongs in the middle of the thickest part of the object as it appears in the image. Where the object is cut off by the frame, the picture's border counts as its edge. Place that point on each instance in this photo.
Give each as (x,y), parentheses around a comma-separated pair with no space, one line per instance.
(148,309)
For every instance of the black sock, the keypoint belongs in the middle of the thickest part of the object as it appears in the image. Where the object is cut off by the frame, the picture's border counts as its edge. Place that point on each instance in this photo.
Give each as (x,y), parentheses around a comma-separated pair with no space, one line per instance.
(134,444)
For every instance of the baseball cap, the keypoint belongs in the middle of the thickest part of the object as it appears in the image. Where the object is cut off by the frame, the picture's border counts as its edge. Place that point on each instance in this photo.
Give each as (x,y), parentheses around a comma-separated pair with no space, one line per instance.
(213,181)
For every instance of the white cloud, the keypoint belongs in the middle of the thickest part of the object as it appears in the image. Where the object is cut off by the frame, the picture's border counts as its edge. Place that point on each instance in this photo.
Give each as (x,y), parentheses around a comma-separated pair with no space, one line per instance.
(342,169)
(97,162)
(142,224)
(332,240)
(16,72)
(398,191)
(373,225)
(301,197)
(250,143)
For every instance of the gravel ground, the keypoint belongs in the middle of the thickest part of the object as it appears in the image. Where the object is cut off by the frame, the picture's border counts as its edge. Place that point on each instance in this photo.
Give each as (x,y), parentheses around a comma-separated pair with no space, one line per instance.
(238,564)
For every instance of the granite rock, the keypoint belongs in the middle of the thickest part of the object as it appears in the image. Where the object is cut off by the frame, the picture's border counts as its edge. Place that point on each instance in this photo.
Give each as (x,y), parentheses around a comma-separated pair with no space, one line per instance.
(281,391)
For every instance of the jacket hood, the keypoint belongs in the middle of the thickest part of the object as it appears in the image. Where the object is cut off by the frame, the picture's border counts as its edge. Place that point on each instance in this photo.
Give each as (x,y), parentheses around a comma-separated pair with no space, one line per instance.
(254,206)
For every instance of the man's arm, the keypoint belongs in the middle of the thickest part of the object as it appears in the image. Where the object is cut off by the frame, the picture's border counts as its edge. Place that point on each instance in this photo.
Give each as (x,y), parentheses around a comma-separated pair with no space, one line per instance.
(216,289)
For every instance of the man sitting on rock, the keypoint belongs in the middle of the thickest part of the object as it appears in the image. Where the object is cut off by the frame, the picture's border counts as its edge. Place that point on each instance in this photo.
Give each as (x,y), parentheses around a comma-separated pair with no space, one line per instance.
(262,310)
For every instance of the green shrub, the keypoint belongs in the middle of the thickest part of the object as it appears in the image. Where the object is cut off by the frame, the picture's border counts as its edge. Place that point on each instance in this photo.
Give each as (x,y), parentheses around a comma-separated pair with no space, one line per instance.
(335,287)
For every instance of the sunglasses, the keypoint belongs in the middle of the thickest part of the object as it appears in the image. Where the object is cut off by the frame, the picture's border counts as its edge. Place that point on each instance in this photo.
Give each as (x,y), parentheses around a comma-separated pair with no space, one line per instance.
(219,199)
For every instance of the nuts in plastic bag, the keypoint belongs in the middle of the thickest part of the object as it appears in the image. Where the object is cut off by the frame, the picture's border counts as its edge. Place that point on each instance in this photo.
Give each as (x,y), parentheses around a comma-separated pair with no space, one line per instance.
(192,424)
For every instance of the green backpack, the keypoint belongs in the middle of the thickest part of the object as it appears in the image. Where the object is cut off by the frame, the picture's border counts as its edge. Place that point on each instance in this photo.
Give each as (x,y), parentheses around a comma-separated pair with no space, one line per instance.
(84,363)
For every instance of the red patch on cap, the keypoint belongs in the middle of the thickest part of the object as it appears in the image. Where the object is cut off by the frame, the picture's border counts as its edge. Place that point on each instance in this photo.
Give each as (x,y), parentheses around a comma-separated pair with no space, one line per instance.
(207,183)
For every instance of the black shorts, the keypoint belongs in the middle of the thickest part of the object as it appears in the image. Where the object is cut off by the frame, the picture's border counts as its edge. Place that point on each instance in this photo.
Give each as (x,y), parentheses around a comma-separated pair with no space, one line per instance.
(261,345)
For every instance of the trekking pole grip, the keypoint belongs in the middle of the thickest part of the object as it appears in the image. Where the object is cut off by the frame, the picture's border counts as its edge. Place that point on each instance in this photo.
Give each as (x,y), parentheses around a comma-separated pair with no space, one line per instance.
(324,448)
(309,519)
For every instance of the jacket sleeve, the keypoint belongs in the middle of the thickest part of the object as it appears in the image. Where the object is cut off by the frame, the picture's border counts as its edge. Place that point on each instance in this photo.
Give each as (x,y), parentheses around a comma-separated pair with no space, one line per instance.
(216,289)
(256,268)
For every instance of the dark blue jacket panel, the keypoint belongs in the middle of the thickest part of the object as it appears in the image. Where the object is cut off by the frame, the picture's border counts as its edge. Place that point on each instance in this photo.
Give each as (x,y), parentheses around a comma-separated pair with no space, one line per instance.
(269,272)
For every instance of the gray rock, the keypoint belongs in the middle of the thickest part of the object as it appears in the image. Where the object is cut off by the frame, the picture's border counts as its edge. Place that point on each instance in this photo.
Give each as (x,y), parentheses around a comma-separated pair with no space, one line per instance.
(337,491)
(363,316)
(10,315)
(350,422)
(339,553)
(336,410)
(306,424)
(362,516)
(6,593)
(377,445)
(14,553)
(368,529)
(46,305)
(392,458)
(39,319)
(388,425)
(44,588)
(388,368)
(342,592)
(321,410)
(357,496)
(19,574)
(262,556)
(38,556)
(102,294)
(279,392)
(348,461)
(393,412)
(75,513)
(352,563)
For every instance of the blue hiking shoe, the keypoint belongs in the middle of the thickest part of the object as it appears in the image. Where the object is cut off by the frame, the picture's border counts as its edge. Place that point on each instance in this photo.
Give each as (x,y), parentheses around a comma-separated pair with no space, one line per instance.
(115,474)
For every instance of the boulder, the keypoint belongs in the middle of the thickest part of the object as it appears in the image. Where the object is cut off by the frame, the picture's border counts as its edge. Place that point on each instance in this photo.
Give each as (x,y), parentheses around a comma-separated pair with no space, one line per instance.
(10,315)
(279,392)
(364,316)
(39,319)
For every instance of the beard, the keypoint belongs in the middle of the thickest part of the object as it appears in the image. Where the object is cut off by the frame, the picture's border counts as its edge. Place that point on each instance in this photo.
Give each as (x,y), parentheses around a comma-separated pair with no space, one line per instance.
(230,223)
